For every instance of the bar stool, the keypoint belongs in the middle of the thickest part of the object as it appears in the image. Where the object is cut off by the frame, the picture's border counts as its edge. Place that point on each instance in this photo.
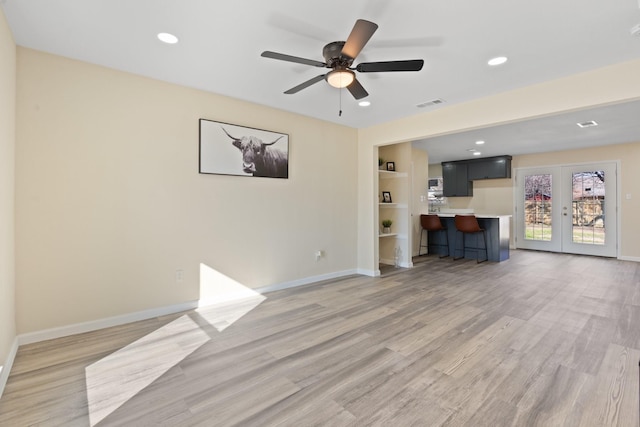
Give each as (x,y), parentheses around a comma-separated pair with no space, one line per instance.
(432,223)
(468,224)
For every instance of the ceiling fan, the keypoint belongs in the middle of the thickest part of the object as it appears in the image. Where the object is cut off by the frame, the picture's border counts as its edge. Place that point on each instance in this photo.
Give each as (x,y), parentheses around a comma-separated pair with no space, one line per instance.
(339,57)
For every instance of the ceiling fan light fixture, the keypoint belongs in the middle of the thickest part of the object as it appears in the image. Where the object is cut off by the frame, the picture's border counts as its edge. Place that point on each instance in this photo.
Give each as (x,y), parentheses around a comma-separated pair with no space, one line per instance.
(167,38)
(340,78)
(498,60)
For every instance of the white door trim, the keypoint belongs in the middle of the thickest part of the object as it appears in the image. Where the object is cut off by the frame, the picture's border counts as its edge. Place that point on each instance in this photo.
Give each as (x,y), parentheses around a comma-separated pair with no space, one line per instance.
(517,191)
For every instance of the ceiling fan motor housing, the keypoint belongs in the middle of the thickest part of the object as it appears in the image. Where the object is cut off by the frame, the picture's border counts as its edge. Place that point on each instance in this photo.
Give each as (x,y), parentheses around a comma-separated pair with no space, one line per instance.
(332,53)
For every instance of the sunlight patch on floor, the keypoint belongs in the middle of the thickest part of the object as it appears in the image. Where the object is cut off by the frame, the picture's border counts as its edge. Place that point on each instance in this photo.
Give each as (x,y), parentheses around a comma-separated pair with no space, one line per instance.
(224,300)
(115,379)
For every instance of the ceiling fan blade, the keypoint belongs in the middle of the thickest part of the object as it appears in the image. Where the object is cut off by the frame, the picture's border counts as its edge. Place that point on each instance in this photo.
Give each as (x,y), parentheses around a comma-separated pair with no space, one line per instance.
(357,90)
(306,84)
(375,67)
(289,58)
(360,35)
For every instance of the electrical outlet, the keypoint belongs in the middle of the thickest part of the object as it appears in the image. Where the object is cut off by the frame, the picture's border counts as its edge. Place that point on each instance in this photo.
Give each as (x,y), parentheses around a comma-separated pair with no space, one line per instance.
(179,275)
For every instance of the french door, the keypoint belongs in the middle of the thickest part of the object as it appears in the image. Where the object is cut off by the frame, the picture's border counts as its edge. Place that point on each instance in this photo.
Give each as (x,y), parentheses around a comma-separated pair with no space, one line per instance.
(570,209)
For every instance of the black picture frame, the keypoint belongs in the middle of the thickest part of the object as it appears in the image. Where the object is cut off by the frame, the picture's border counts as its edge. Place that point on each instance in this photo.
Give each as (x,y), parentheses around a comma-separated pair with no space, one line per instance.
(391,166)
(386,197)
(228,149)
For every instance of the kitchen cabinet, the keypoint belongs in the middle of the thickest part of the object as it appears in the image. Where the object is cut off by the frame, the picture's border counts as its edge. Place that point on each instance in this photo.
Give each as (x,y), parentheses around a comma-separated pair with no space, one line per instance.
(455,180)
(458,176)
(489,168)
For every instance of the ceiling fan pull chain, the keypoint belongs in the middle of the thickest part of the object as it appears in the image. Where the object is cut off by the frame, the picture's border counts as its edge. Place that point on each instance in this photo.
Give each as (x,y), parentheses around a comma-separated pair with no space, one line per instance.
(340,98)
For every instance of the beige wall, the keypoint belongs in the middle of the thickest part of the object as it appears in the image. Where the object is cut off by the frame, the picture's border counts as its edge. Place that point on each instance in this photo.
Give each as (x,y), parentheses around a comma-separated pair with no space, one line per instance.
(616,83)
(110,203)
(7,147)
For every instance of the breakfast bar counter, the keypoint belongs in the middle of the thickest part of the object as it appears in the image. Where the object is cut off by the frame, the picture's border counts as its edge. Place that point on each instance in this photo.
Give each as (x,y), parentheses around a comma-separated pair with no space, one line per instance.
(497,228)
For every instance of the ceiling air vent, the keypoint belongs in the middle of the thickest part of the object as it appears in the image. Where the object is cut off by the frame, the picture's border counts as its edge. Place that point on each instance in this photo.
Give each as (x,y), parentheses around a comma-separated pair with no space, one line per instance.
(588,124)
(436,101)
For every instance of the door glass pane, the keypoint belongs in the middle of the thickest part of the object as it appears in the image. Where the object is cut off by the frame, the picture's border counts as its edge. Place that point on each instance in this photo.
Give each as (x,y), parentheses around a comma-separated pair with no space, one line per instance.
(588,207)
(537,207)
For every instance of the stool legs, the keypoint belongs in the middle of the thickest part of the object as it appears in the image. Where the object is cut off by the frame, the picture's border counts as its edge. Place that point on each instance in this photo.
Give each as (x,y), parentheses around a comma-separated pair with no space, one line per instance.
(484,240)
(486,252)
(455,245)
(446,235)
(421,245)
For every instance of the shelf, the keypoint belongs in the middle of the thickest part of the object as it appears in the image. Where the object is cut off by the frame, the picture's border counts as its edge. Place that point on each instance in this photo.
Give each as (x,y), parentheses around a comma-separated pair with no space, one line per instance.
(391,174)
(393,205)
(396,235)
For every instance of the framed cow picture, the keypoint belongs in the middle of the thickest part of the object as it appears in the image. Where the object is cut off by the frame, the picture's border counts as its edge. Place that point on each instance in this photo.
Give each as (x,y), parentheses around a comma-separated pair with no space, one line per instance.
(227,149)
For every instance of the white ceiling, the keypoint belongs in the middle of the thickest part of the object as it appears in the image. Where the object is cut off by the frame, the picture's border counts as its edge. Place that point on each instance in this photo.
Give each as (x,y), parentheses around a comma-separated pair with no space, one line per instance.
(220,46)
(617,124)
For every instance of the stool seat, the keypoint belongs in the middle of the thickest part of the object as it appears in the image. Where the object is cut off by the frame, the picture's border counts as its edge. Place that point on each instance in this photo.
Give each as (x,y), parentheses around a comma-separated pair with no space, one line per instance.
(431,222)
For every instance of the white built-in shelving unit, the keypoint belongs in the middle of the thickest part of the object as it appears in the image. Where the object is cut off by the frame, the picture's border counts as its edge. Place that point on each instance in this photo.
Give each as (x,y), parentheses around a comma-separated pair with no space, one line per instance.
(397,183)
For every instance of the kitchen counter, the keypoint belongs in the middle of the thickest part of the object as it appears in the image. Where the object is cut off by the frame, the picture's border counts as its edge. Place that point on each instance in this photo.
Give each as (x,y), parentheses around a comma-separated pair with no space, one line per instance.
(497,228)
(479,216)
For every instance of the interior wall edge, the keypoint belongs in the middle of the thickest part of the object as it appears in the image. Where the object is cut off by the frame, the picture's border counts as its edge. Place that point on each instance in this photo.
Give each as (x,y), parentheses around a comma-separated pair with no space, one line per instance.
(5,368)
(8,328)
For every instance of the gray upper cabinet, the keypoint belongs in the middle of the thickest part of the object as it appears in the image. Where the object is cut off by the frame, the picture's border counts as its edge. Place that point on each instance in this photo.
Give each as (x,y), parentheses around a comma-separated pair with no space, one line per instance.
(455,181)
(489,168)
(458,177)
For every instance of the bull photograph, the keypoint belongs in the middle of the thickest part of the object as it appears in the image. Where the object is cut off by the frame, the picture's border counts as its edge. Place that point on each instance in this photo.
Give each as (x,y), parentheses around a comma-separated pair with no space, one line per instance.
(227,149)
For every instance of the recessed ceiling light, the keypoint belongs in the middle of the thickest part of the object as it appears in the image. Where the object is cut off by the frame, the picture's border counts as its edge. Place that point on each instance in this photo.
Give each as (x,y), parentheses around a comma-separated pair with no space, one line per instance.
(498,60)
(588,124)
(479,142)
(167,38)
(476,153)
(364,103)
(436,101)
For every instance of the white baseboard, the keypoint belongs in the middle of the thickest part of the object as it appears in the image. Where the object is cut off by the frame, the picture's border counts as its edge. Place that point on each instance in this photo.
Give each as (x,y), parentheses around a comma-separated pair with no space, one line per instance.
(305,281)
(79,328)
(5,368)
(629,258)
(404,264)
(370,273)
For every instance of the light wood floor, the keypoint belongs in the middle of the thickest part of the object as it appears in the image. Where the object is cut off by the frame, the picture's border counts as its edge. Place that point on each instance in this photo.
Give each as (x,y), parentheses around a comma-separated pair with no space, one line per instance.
(539,340)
